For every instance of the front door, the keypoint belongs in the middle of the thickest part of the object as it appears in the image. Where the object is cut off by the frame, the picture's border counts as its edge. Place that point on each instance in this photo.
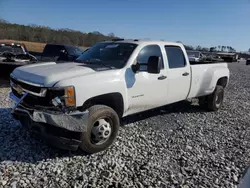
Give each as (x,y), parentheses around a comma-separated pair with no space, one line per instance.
(179,74)
(145,90)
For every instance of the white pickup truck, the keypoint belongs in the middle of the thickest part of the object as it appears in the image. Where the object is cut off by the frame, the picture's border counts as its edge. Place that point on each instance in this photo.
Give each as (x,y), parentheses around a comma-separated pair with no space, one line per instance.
(80,104)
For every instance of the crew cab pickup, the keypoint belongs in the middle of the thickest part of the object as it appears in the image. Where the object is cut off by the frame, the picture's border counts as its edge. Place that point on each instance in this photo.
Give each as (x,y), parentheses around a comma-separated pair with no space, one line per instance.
(80,104)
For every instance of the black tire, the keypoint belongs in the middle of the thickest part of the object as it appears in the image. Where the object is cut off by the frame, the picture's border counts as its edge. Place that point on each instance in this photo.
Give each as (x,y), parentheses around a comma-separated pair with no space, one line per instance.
(203,102)
(214,101)
(97,112)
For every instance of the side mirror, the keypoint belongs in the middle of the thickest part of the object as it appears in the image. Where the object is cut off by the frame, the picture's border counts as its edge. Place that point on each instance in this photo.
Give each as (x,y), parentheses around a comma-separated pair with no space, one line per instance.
(154,65)
(135,67)
(63,52)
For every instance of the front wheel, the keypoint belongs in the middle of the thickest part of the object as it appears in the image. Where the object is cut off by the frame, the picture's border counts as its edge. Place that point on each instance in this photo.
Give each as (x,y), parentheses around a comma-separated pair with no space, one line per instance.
(103,126)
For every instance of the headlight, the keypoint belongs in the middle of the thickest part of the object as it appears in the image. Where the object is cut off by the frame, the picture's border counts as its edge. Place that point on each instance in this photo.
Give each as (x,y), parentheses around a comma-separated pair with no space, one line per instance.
(64,96)
(69,96)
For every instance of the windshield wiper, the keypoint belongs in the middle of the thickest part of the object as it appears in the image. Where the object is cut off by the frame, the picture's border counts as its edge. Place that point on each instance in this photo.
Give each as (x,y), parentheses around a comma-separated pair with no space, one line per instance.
(99,61)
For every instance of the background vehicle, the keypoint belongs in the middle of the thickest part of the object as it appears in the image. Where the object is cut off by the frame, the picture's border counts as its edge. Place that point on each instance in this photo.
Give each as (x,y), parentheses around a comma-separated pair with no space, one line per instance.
(197,56)
(228,57)
(111,80)
(248,61)
(194,56)
(58,52)
(15,54)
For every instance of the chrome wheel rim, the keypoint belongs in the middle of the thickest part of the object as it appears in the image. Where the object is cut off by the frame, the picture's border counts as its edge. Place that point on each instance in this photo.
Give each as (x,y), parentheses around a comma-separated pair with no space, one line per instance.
(101,131)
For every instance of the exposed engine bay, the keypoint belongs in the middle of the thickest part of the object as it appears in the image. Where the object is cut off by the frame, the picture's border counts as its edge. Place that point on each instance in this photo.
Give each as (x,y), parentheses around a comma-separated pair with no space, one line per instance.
(11,53)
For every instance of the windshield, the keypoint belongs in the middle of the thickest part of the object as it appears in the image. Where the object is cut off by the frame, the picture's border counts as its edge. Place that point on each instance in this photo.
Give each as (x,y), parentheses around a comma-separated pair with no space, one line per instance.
(18,50)
(13,49)
(110,54)
(193,54)
(74,51)
(5,48)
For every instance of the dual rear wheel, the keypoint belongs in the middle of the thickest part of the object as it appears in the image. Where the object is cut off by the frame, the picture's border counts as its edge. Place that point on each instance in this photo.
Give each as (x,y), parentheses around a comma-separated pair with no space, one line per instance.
(214,101)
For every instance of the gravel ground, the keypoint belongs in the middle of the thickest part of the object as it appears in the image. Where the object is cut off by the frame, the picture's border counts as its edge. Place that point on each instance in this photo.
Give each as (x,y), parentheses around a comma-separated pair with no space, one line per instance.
(176,146)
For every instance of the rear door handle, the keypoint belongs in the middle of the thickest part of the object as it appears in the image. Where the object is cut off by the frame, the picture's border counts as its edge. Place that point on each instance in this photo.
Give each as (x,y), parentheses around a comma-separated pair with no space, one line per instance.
(185,74)
(162,77)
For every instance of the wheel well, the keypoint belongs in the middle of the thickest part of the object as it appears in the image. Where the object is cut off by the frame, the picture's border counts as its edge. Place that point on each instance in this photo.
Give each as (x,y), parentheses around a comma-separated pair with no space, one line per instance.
(113,100)
(222,82)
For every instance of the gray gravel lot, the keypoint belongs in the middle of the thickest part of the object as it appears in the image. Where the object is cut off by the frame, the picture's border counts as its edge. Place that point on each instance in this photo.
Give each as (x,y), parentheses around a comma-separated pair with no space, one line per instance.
(175,146)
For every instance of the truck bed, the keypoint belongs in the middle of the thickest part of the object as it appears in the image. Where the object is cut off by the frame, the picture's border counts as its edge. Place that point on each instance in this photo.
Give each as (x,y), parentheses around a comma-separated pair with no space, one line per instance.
(203,77)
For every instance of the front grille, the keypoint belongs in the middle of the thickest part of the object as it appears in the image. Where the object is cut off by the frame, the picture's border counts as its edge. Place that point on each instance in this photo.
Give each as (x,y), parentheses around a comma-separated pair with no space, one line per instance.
(15,93)
(32,100)
(36,101)
(25,86)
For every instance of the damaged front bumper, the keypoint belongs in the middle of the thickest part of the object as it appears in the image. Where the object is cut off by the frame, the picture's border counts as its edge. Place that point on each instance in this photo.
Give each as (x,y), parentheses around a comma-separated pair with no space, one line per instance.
(62,130)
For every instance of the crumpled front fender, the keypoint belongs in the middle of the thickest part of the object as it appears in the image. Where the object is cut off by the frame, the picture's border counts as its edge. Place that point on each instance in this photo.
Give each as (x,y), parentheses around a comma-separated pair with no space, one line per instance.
(75,121)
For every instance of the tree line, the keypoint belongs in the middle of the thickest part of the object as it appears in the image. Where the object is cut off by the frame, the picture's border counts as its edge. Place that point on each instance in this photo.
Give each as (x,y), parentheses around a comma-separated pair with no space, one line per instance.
(219,48)
(36,33)
(43,34)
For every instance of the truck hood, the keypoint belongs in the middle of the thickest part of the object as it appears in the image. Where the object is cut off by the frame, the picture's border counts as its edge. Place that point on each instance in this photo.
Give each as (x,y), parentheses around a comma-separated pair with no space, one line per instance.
(47,74)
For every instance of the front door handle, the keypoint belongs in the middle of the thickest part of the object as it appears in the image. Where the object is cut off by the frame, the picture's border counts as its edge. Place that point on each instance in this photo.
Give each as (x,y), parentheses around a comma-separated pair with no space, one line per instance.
(185,74)
(162,77)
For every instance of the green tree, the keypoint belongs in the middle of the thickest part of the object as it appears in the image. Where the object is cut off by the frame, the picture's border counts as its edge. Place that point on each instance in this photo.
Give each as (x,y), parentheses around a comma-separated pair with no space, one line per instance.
(198,48)
(213,49)
(205,49)
(36,33)
(219,48)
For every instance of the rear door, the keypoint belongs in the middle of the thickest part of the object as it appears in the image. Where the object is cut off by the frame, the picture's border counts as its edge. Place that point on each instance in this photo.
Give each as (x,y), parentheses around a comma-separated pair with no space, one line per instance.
(179,74)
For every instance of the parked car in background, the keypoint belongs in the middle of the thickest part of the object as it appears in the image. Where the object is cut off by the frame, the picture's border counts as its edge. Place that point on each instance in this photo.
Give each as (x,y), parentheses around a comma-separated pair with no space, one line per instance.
(15,54)
(248,61)
(228,57)
(194,56)
(197,56)
(58,52)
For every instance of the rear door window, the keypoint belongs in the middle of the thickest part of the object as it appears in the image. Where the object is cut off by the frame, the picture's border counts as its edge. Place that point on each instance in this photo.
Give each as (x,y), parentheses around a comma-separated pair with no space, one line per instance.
(176,58)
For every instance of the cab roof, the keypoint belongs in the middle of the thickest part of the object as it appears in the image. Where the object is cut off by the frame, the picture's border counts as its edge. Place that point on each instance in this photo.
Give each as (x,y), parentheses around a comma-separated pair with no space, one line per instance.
(139,41)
